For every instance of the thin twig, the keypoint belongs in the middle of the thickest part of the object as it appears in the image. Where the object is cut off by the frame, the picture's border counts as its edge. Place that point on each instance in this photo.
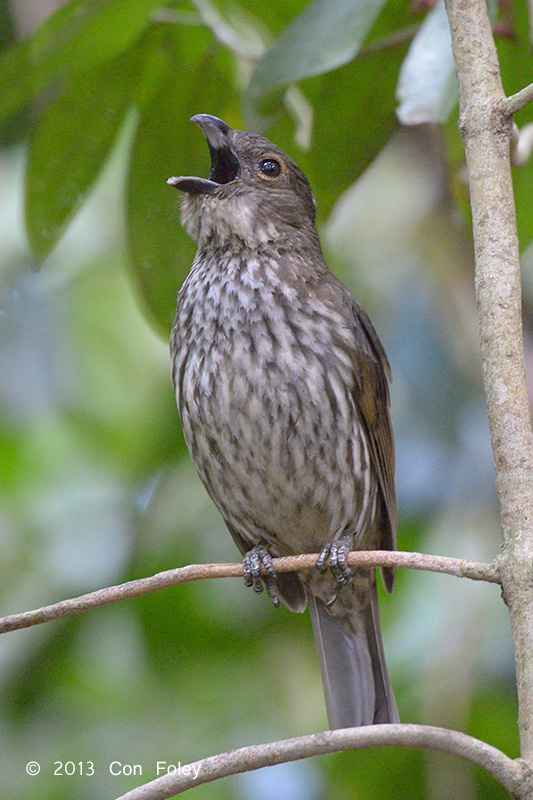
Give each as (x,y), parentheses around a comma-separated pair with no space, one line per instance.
(517,101)
(458,567)
(508,772)
(393,39)
(171,16)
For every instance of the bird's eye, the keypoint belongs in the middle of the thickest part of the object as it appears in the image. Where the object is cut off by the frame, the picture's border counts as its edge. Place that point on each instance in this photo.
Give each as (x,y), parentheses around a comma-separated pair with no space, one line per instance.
(270,167)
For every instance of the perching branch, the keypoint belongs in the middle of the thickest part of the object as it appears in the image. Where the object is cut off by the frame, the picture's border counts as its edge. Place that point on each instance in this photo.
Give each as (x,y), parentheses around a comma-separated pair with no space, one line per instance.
(458,567)
(509,773)
(486,129)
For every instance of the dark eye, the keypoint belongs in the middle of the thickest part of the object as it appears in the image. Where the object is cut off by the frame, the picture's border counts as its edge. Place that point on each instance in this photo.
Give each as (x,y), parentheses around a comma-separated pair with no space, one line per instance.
(270,167)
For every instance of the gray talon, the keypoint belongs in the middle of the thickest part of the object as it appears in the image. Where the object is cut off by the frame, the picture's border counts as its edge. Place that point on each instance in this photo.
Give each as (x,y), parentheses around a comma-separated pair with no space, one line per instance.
(322,560)
(333,555)
(253,562)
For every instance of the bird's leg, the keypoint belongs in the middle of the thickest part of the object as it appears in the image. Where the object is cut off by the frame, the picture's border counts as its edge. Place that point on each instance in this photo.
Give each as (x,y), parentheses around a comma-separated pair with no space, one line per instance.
(333,555)
(253,563)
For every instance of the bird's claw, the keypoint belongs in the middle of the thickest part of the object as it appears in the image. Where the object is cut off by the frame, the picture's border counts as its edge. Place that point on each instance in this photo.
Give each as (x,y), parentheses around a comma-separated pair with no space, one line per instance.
(333,555)
(255,560)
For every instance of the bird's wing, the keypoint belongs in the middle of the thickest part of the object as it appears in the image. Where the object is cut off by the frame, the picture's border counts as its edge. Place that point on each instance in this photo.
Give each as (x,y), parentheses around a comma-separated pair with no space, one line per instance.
(372,373)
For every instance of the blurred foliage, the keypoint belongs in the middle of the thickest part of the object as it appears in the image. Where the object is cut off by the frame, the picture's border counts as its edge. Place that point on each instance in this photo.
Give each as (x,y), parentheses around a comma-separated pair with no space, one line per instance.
(95,483)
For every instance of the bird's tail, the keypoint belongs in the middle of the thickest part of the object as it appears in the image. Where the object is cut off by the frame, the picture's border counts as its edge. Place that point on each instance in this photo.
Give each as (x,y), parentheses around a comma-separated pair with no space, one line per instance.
(356,683)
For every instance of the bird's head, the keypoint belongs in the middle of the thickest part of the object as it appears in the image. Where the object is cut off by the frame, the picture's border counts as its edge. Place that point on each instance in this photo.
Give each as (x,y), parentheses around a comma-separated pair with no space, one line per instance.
(254,194)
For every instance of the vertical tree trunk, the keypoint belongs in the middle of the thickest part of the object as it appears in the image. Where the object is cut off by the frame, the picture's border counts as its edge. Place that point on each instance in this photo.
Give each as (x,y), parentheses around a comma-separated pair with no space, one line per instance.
(486,131)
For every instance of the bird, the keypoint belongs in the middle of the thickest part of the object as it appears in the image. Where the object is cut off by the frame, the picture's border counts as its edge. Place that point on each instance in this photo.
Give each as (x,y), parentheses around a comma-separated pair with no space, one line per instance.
(282,387)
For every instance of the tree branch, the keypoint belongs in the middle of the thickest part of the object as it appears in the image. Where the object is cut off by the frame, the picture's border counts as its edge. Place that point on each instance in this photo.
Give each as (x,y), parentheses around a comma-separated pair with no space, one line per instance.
(517,101)
(510,773)
(458,567)
(486,128)
(391,40)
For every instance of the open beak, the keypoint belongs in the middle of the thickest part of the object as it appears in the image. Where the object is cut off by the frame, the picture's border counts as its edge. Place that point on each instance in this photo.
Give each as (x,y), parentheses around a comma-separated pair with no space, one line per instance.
(225,167)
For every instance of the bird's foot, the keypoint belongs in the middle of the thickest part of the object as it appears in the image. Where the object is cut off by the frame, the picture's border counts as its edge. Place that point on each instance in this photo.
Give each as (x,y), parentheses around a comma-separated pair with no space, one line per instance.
(333,555)
(254,561)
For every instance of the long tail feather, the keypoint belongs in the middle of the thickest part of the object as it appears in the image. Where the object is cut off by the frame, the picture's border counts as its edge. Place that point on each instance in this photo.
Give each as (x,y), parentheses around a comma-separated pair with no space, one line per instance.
(356,683)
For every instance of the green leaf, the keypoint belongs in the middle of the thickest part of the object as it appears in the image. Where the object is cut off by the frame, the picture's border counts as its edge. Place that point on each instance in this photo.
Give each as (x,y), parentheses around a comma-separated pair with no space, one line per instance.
(355,111)
(70,144)
(85,33)
(167,143)
(326,35)
(78,36)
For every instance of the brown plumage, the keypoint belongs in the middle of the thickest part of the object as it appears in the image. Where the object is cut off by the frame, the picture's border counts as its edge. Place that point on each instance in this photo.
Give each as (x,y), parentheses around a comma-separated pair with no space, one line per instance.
(281,385)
